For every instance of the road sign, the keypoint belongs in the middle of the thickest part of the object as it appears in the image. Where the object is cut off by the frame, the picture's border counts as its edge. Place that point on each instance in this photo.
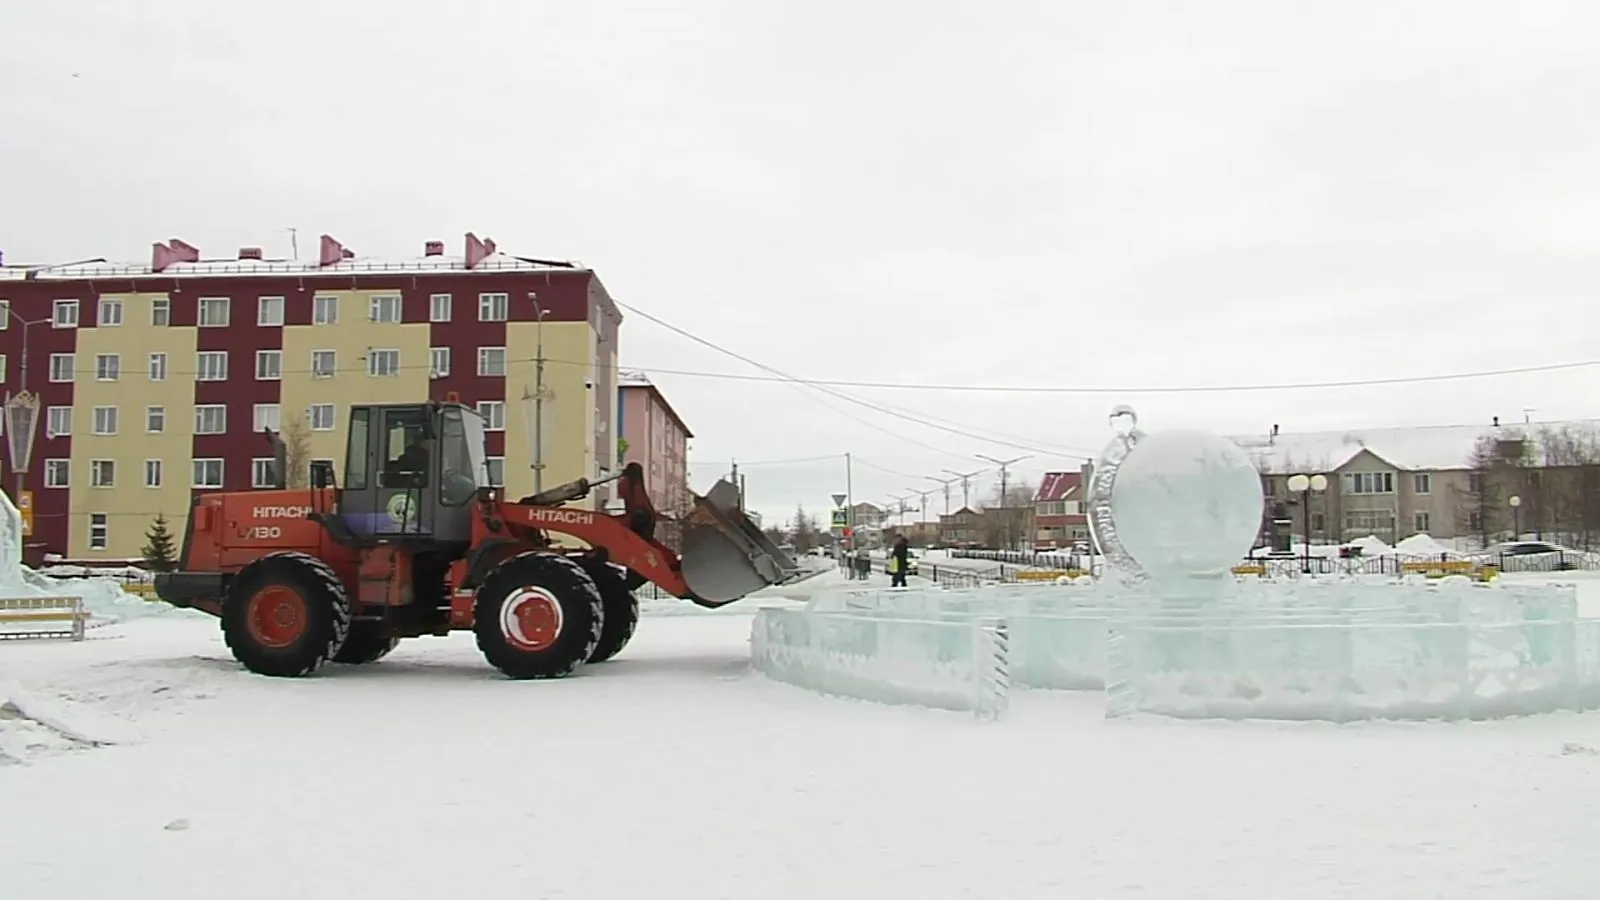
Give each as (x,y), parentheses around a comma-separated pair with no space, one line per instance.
(25,506)
(838,499)
(841,518)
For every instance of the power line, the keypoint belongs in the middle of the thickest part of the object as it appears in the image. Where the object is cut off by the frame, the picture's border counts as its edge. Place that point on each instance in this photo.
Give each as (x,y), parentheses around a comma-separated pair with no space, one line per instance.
(830,457)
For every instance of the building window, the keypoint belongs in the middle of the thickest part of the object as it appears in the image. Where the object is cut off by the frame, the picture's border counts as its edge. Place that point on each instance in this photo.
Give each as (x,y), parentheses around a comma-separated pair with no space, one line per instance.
(383,363)
(57,473)
(158,367)
(211,365)
(1369,482)
(497,470)
(207,473)
(269,365)
(439,308)
(2,368)
(107,367)
(152,473)
(1475,482)
(99,531)
(210,419)
(1363,523)
(64,314)
(324,363)
(1423,522)
(494,414)
(492,307)
(1475,521)
(491,361)
(213,312)
(102,473)
(269,311)
(320,416)
(385,308)
(155,419)
(323,461)
(105,420)
(438,362)
(110,313)
(1422,483)
(261,472)
(1318,523)
(61,367)
(5,314)
(160,312)
(58,422)
(267,416)
(325,309)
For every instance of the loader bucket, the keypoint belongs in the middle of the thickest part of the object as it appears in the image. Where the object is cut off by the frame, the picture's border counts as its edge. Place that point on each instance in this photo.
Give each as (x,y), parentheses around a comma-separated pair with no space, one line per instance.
(725,556)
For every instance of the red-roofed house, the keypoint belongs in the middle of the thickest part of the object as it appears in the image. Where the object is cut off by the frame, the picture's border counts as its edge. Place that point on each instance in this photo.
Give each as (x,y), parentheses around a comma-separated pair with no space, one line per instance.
(1058,518)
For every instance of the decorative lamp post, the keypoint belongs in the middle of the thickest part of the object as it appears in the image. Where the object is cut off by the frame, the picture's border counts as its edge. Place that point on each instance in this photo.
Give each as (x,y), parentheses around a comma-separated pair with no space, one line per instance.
(1304,486)
(1515,503)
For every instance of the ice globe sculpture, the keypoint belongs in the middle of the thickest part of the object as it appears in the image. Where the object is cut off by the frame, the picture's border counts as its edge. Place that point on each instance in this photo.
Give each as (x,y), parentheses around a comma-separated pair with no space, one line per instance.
(1174,504)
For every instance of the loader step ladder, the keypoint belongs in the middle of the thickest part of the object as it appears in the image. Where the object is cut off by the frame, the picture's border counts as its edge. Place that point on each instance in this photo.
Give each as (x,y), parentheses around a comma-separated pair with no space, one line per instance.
(43,617)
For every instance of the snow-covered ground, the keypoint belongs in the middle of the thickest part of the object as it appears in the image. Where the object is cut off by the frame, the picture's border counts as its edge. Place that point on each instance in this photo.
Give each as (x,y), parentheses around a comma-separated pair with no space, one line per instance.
(674,772)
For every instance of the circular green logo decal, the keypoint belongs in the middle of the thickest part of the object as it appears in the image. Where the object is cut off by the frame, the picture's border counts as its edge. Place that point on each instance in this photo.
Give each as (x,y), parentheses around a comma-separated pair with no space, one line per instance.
(400,508)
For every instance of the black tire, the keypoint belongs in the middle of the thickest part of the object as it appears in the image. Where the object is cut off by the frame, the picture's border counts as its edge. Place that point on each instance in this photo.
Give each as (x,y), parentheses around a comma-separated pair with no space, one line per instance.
(621,611)
(366,643)
(285,615)
(542,586)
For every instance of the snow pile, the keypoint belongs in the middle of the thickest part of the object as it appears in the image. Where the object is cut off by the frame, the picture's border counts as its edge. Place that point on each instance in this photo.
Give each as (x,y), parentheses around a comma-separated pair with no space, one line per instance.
(31,727)
(104,598)
(1372,545)
(1424,545)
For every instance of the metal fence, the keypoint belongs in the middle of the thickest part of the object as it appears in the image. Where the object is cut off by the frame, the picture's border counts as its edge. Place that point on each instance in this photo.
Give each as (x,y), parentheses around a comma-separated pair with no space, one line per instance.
(1390,564)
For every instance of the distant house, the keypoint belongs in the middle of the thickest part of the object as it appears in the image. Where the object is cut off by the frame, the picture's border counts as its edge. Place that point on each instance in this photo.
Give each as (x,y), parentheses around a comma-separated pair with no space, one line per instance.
(1058,512)
(654,436)
(962,528)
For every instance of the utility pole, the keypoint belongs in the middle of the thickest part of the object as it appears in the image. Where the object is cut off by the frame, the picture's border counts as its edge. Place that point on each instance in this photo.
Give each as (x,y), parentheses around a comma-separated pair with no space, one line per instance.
(945,483)
(1005,518)
(538,397)
(849,504)
(922,500)
(966,484)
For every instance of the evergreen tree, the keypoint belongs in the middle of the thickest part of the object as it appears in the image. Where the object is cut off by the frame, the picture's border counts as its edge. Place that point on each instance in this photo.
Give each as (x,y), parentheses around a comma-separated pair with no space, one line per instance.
(160,555)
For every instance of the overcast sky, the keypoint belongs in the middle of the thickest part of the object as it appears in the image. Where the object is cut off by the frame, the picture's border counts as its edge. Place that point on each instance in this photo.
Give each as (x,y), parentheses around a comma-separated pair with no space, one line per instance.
(1059,193)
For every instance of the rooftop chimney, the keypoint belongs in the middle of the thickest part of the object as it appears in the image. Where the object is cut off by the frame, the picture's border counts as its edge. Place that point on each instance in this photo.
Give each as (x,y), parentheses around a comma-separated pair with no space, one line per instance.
(433,248)
(346,253)
(162,256)
(249,252)
(330,252)
(186,252)
(477,251)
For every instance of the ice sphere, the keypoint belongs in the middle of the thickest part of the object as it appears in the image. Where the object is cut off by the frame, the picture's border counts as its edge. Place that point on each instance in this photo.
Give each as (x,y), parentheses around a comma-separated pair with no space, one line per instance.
(1187,503)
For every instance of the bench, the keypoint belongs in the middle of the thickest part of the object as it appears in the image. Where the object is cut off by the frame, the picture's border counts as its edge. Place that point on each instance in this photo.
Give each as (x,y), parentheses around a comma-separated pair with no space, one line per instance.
(43,617)
(1048,574)
(1249,569)
(1443,567)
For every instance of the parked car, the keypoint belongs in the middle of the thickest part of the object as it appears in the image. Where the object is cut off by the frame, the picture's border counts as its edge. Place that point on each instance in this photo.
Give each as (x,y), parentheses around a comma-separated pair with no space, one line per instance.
(1533,556)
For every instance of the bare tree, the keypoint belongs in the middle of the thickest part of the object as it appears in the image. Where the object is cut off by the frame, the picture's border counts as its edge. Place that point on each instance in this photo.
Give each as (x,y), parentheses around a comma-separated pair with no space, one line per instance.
(1568,483)
(296,438)
(804,530)
(1008,519)
(1497,468)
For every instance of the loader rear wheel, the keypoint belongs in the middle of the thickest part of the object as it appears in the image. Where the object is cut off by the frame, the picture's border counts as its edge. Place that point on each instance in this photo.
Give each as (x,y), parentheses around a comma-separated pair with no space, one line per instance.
(366,643)
(622,611)
(538,615)
(285,615)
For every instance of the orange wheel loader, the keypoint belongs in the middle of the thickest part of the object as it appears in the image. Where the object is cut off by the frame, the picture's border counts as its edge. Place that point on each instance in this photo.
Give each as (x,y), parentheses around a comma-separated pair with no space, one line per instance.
(415,540)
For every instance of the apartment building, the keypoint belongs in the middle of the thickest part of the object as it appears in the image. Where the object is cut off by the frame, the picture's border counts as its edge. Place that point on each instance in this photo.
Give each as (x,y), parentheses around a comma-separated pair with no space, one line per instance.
(1444,481)
(1058,514)
(155,380)
(655,437)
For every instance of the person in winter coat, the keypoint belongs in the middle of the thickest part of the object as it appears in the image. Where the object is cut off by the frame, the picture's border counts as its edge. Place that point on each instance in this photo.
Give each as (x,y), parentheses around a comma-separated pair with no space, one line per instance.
(899,562)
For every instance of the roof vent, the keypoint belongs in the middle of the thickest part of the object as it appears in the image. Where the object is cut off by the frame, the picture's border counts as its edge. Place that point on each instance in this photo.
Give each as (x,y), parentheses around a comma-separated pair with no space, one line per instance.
(249,252)
(433,248)
(346,253)
(329,251)
(186,251)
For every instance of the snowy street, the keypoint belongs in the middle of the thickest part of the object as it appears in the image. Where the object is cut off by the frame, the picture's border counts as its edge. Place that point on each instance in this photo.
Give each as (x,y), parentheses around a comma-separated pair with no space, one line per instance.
(674,772)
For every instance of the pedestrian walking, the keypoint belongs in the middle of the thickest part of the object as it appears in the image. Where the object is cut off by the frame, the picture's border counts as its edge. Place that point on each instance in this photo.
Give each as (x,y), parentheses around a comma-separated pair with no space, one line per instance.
(899,562)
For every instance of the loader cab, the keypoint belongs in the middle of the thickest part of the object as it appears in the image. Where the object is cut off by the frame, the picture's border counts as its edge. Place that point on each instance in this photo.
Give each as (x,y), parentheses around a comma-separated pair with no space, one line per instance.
(412,471)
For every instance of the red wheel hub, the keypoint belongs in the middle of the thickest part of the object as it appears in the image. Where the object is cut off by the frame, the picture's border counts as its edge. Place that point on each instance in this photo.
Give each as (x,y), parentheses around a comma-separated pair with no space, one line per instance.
(277,616)
(531,619)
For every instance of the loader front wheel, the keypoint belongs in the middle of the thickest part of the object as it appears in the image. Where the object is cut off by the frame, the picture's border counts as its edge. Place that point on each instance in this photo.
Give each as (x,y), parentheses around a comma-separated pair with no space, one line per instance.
(622,611)
(538,615)
(285,615)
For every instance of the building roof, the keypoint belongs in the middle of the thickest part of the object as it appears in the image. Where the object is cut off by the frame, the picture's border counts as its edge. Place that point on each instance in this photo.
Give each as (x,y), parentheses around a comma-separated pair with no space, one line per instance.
(1417,448)
(1056,486)
(177,259)
(639,381)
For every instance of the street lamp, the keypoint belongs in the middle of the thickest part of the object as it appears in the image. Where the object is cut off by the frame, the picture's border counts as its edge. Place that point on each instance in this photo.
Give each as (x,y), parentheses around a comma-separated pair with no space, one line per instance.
(21,412)
(1304,485)
(1516,517)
